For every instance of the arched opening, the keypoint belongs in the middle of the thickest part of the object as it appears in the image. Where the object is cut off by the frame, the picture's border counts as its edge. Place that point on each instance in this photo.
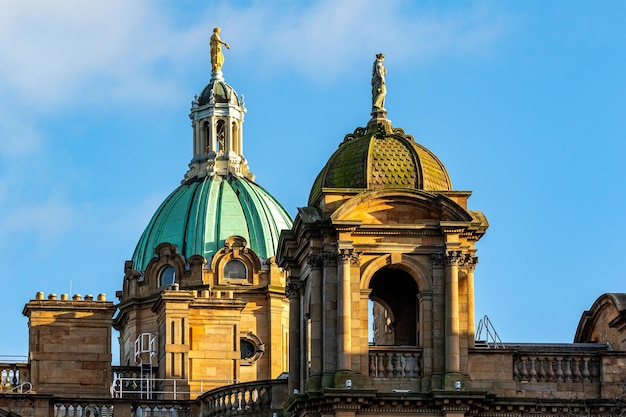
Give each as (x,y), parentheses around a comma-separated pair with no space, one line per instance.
(220,138)
(235,138)
(205,135)
(394,307)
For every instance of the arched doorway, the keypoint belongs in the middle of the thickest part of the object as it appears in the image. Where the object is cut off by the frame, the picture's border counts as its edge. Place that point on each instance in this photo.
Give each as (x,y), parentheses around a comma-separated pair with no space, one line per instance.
(395,308)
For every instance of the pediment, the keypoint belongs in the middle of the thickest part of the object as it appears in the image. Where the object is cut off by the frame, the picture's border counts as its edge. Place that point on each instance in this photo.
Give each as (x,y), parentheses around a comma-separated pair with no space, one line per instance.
(389,207)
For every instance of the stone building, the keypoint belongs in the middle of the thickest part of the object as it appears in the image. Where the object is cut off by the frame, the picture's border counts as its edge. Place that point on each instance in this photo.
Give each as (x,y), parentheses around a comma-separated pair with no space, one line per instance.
(362,305)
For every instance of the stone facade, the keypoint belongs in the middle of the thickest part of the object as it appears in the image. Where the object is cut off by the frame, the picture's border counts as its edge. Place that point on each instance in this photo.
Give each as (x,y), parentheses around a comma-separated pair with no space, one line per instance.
(384,241)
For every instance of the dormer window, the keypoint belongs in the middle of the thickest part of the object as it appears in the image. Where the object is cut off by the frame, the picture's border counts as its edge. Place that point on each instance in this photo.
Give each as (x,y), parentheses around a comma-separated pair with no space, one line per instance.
(167,276)
(235,269)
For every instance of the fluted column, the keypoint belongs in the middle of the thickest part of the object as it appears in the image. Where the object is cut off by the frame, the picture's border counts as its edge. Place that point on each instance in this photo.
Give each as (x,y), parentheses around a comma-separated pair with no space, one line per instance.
(345,256)
(294,292)
(453,360)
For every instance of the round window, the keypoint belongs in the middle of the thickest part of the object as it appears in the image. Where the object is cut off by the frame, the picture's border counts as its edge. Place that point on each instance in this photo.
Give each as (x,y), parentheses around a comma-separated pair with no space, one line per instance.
(247,349)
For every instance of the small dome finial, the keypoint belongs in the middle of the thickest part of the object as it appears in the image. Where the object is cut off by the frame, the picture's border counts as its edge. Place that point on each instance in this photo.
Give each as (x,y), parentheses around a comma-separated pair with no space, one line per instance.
(217,57)
(379,89)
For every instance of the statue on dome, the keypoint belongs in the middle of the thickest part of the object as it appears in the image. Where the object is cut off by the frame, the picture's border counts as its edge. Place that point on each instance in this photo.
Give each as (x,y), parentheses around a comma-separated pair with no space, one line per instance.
(217,57)
(379,90)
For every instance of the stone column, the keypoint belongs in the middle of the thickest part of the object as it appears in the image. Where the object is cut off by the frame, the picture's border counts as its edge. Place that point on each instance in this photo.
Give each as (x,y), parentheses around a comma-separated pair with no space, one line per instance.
(425,300)
(294,292)
(471,262)
(316,308)
(344,315)
(439,314)
(329,317)
(453,362)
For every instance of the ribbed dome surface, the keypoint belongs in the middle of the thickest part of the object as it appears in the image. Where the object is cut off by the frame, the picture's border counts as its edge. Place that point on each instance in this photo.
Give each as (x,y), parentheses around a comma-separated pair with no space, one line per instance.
(198,216)
(221,91)
(381,157)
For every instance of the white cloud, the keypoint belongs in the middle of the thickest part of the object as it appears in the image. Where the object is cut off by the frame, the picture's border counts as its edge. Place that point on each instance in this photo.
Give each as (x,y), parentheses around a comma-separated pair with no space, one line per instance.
(63,55)
(58,53)
(322,40)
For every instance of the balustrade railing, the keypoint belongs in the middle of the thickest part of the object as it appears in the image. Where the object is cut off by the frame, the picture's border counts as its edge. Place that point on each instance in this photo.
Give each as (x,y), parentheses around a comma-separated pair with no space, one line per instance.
(90,408)
(395,362)
(13,375)
(82,409)
(556,368)
(245,398)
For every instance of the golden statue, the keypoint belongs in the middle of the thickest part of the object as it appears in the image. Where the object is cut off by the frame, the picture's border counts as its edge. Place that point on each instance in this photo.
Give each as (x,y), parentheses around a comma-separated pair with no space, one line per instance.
(379,89)
(217,57)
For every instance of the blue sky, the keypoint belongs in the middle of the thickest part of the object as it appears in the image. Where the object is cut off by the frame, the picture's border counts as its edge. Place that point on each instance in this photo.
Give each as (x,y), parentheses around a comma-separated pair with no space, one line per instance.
(523,101)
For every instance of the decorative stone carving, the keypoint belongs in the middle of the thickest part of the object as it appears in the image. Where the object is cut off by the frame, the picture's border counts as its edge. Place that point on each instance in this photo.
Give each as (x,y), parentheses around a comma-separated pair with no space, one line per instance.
(347,256)
(315,261)
(453,257)
(329,258)
(294,289)
(437,260)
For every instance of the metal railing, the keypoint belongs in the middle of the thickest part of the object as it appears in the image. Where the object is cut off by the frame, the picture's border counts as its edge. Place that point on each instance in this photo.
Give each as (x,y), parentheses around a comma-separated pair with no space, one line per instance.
(491,339)
(158,388)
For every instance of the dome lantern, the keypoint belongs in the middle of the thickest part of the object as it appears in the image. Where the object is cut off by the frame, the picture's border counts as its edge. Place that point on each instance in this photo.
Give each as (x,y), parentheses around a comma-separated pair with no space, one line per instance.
(217,122)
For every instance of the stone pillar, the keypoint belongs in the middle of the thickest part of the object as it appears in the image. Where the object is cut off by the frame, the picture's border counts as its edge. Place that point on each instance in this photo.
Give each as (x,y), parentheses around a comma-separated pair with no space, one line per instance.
(344,315)
(329,317)
(294,292)
(439,315)
(453,363)
(471,266)
(425,300)
(275,334)
(316,308)
(70,345)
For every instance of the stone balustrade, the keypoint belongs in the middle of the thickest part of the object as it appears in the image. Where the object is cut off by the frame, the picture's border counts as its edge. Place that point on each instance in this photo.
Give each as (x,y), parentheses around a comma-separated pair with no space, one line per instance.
(100,408)
(395,362)
(259,398)
(549,368)
(13,375)
(79,409)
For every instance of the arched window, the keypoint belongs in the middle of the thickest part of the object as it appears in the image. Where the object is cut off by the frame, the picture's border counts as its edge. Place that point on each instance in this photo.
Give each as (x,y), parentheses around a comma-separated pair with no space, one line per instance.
(235,269)
(395,308)
(220,144)
(167,276)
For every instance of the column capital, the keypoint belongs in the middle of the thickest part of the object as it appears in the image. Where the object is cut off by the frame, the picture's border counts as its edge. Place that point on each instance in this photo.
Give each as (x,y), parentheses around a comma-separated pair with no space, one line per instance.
(347,255)
(315,260)
(453,258)
(294,289)
(329,258)
(469,261)
(437,259)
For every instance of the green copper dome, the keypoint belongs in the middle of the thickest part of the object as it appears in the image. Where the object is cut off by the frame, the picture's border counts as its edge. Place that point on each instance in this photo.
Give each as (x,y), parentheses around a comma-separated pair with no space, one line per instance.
(378,157)
(199,215)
